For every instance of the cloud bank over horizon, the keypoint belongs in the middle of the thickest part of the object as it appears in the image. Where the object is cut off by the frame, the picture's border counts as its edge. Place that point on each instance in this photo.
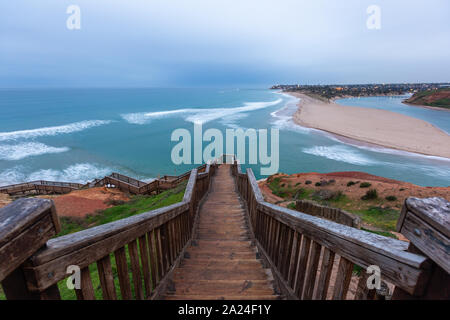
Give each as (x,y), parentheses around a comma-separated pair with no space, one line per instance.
(221,43)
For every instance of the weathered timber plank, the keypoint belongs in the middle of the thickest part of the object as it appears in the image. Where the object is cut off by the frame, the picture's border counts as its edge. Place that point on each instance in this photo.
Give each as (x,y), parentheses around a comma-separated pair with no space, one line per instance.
(19,249)
(106,278)
(434,211)
(19,215)
(428,239)
(301,270)
(86,291)
(143,250)
(122,272)
(325,274)
(312,271)
(343,278)
(136,270)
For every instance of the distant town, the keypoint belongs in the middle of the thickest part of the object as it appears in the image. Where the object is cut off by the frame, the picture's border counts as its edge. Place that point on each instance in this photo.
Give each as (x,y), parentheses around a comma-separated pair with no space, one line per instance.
(360,90)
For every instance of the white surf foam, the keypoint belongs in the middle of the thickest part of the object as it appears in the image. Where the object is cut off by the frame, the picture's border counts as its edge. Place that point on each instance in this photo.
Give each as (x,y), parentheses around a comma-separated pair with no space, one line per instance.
(282,118)
(340,153)
(52,131)
(28,149)
(80,172)
(198,116)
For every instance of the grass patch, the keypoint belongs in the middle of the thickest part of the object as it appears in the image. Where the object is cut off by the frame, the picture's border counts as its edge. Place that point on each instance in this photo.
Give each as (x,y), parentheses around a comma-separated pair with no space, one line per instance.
(351,183)
(138,204)
(441,103)
(383,218)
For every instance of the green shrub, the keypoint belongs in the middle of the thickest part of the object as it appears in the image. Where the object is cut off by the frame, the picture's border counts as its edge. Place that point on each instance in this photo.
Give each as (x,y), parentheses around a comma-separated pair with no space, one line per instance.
(365,185)
(297,184)
(308,182)
(391,198)
(351,183)
(370,195)
(318,184)
(291,206)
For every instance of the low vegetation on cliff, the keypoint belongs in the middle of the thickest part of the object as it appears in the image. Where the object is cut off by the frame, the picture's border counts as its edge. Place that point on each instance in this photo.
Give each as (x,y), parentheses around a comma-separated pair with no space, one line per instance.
(433,98)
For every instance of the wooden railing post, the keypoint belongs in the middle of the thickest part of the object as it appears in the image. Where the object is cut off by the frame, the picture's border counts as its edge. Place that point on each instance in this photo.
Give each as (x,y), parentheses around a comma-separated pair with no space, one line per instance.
(25,227)
(426,223)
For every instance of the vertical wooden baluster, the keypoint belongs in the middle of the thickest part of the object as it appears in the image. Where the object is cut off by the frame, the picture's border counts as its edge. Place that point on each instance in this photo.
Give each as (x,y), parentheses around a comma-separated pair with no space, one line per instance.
(106,278)
(122,272)
(86,291)
(160,252)
(294,259)
(184,228)
(262,228)
(312,271)
(274,239)
(136,270)
(143,250)
(171,241)
(168,234)
(281,246)
(325,274)
(267,233)
(301,271)
(176,234)
(362,292)
(152,249)
(268,228)
(287,254)
(179,235)
(343,279)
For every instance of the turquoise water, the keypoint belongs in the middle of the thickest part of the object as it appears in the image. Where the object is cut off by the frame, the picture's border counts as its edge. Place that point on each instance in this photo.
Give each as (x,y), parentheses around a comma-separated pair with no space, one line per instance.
(81,134)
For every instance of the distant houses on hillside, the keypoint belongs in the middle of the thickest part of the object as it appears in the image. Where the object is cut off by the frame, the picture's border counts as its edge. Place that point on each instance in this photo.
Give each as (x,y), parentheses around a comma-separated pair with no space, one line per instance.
(360,90)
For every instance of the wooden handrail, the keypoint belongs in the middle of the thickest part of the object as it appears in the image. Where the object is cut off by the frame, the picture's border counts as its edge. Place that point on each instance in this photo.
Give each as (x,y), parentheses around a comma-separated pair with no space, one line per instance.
(288,239)
(157,239)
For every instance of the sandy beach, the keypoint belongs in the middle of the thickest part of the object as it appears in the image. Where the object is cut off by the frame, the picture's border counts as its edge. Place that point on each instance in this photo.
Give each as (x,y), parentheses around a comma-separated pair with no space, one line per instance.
(379,127)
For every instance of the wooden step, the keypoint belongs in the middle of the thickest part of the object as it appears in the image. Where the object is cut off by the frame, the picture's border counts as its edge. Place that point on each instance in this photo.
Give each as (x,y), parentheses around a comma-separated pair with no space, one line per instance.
(216,263)
(212,250)
(221,255)
(221,273)
(221,287)
(221,262)
(221,244)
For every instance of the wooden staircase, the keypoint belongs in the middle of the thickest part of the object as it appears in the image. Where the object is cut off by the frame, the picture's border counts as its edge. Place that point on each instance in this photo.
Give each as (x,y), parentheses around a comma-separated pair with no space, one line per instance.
(221,262)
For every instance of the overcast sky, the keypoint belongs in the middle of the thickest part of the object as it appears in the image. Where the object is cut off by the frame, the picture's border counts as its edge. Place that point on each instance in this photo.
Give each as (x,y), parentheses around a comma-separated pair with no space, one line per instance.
(194,43)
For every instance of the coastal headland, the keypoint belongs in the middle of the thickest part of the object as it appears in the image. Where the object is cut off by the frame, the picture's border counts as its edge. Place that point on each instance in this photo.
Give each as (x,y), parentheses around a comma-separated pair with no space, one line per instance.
(379,127)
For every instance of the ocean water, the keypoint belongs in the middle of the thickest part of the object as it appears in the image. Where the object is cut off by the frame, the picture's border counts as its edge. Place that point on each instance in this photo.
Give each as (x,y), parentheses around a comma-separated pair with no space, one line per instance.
(82,134)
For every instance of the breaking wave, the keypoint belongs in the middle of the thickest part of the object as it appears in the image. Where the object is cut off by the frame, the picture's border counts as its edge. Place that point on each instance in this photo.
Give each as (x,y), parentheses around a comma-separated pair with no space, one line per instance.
(29,149)
(52,131)
(200,116)
(340,153)
(80,172)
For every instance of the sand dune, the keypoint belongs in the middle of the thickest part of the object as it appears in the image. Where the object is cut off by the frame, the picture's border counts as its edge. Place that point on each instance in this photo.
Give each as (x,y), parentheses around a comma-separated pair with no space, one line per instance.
(380,127)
